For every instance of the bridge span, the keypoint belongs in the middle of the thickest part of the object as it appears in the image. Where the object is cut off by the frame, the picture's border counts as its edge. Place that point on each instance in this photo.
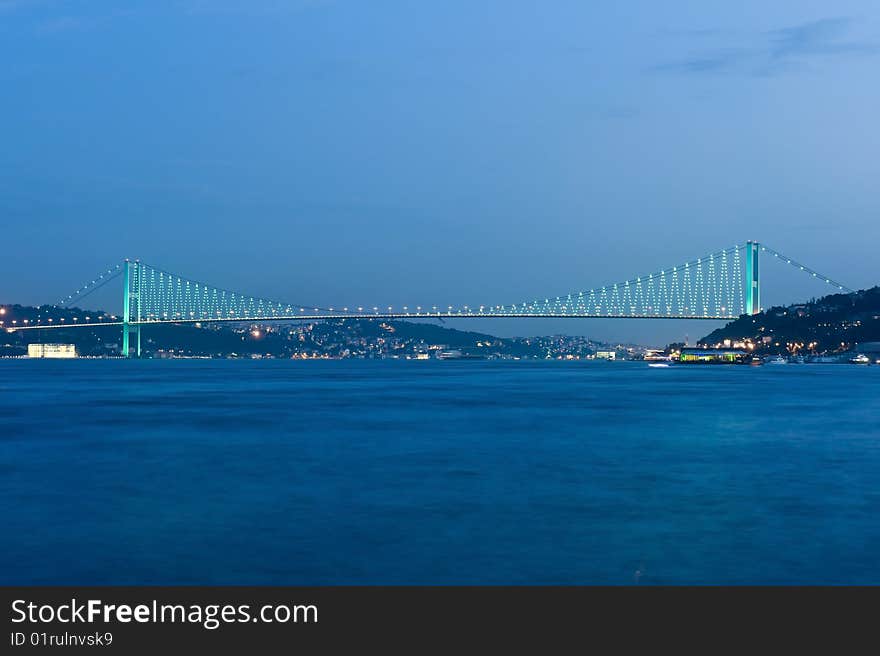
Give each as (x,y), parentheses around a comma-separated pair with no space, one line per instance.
(720,286)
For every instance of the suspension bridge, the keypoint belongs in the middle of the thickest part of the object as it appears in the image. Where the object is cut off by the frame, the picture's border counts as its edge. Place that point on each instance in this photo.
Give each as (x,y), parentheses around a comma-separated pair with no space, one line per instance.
(720,286)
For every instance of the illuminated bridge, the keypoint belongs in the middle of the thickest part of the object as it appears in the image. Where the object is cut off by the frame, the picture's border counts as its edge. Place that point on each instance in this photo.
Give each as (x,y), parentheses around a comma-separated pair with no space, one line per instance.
(722,285)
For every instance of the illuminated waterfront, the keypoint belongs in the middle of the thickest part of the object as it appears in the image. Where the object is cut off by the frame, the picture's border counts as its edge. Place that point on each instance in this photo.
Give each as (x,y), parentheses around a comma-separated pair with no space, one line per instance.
(438,472)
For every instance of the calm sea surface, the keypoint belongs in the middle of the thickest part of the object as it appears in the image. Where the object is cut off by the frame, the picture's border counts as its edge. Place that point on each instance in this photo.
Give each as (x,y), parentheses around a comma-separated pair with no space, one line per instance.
(237,472)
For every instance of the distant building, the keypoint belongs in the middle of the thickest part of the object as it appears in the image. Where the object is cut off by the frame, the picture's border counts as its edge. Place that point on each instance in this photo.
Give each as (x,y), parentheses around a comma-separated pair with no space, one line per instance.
(606,355)
(51,351)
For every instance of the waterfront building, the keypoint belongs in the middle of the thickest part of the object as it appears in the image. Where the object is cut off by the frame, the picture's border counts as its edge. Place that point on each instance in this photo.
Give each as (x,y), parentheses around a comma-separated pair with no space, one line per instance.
(51,351)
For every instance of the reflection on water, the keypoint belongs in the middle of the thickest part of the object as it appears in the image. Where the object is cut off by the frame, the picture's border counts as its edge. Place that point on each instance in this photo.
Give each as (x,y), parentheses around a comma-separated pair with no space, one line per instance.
(437,472)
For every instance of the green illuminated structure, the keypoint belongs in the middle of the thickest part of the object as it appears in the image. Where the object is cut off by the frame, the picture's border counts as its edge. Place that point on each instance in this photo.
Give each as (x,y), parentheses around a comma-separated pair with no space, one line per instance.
(131,300)
(753,287)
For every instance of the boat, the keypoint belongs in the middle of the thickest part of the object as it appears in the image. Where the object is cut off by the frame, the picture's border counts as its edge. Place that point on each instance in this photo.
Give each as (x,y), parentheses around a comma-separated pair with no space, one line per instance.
(777,360)
(656,355)
(689,356)
(456,354)
(861,358)
(658,364)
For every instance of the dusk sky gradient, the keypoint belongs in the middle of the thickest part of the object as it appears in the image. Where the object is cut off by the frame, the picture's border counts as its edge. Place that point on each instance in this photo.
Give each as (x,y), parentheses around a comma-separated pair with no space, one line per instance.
(436,153)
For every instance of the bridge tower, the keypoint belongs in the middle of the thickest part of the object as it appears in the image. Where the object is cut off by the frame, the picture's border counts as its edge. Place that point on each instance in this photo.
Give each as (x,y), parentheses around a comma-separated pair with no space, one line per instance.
(131,299)
(753,287)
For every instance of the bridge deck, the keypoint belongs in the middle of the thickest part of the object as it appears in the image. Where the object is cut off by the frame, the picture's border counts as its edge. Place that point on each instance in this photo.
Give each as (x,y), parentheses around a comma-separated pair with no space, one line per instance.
(379,315)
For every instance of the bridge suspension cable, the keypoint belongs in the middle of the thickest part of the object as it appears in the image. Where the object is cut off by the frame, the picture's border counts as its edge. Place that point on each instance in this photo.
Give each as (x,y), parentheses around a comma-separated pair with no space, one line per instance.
(158,295)
(94,285)
(806,269)
(709,287)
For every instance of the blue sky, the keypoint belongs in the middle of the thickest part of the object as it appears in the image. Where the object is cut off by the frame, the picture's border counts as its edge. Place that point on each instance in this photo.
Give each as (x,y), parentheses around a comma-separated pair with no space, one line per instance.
(435,153)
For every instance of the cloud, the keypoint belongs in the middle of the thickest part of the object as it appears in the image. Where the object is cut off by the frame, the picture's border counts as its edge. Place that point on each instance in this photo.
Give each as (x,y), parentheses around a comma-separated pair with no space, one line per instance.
(817,39)
(720,61)
(778,51)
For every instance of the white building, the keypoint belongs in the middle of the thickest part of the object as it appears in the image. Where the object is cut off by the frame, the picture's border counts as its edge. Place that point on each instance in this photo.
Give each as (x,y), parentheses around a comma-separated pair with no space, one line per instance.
(51,351)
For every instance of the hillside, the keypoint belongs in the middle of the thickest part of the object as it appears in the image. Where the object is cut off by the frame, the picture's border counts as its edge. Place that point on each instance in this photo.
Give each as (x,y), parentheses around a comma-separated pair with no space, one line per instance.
(353,338)
(830,324)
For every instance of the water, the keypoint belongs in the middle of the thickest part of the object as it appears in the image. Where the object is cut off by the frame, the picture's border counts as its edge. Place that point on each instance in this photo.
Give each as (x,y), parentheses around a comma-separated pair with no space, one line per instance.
(352,472)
